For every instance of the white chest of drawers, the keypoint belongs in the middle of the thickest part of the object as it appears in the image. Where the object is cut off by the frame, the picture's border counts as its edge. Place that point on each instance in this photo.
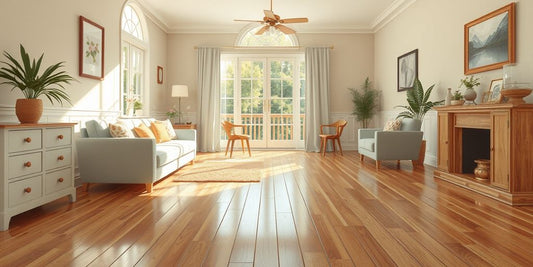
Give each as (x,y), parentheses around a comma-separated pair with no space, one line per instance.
(36,167)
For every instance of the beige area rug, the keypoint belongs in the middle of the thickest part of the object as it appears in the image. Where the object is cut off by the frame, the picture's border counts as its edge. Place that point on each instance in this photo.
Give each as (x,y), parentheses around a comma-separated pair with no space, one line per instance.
(223,170)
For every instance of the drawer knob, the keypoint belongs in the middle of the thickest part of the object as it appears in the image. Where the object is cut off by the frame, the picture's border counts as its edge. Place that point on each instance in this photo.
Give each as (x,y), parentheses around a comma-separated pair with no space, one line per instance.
(60,137)
(60,157)
(27,140)
(27,164)
(27,190)
(60,180)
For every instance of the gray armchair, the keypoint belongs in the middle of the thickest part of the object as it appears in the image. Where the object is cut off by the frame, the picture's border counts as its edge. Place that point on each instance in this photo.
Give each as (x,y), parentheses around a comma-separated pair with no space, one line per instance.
(391,145)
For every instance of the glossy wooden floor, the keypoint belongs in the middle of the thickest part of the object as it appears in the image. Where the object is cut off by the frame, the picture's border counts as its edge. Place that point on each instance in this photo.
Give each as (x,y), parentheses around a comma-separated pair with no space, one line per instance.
(311,211)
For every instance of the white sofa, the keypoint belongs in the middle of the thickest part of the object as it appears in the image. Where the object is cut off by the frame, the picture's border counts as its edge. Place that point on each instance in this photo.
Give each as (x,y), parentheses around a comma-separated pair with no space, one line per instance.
(104,159)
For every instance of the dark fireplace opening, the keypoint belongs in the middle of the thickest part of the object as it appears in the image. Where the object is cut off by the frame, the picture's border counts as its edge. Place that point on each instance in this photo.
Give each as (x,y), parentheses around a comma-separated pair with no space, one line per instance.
(476,145)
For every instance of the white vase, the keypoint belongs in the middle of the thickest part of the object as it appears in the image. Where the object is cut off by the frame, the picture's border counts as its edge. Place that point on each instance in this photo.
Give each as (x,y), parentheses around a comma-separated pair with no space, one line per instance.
(449,96)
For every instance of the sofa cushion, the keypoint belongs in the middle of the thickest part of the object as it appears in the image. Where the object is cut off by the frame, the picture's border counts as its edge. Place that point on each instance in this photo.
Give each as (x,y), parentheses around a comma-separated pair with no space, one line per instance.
(119,129)
(392,125)
(97,129)
(172,150)
(143,131)
(367,143)
(160,132)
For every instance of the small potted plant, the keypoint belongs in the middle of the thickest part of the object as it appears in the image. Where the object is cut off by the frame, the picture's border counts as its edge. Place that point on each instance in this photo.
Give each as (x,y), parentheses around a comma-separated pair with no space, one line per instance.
(137,108)
(171,113)
(470,82)
(457,98)
(25,76)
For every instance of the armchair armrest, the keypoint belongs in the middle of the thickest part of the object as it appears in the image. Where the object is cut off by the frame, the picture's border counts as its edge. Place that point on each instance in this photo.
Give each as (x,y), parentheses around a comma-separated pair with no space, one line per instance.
(395,145)
(186,134)
(368,132)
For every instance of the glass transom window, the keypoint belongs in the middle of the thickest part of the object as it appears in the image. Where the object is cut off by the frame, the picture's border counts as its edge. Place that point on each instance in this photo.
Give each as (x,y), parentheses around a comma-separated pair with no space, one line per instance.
(131,23)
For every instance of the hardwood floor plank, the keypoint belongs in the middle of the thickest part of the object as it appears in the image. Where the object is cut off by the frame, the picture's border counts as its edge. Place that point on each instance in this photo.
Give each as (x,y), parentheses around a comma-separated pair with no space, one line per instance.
(266,246)
(244,247)
(308,210)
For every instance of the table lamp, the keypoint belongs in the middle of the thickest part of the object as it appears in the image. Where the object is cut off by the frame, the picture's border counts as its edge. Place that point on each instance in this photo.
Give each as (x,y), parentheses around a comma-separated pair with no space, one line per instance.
(180,91)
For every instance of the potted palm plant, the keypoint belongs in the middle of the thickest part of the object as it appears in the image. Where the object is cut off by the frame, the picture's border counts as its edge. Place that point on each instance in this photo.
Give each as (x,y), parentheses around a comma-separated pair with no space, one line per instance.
(418,102)
(25,76)
(364,102)
(418,105)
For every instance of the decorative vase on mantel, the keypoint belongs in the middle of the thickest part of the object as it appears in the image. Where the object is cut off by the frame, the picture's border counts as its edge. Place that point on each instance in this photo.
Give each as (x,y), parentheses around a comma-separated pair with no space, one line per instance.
(29,110)
(470,96)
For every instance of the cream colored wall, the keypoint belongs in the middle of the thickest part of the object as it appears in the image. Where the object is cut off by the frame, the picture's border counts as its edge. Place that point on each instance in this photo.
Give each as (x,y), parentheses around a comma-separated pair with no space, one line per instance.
(158,57)
(351,61)
(51,27)
(436,29)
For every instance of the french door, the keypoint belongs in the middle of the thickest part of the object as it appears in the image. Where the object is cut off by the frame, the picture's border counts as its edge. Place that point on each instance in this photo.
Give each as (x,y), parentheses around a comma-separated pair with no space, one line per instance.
(266,94)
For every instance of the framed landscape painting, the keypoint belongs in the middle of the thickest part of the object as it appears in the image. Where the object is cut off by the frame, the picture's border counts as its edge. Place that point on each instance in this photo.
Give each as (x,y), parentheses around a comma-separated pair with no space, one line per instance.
(91,55)
(490,41)
(407,70)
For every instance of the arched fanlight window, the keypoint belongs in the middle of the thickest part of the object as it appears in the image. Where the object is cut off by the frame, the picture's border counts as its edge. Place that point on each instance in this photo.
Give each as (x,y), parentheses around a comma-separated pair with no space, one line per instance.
(131,23)
(272,37)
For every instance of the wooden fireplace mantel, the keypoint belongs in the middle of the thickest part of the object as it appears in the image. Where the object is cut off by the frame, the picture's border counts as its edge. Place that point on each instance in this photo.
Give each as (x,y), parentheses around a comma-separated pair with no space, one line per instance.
(511,149)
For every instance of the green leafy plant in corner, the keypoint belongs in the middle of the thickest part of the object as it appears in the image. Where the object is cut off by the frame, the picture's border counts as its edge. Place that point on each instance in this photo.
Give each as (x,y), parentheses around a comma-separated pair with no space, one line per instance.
(25,76)
(364,102)
(418,102)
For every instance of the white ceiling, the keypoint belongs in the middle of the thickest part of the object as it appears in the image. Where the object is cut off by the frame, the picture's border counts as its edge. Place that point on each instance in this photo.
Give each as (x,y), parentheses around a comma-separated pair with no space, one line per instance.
(325,16)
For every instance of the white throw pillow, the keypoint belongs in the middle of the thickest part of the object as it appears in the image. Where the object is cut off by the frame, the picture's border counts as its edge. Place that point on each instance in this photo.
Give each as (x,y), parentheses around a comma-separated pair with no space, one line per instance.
(120,129)
(393,125)
(170,128)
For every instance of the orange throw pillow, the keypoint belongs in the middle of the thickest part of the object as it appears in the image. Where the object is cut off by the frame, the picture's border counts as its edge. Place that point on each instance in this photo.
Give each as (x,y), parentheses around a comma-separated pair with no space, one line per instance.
(160,132)
(144,131)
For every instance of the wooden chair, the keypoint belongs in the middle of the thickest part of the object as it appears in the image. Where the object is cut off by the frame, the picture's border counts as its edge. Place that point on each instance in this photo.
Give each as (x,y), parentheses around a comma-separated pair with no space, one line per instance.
(229,128)
(339,127)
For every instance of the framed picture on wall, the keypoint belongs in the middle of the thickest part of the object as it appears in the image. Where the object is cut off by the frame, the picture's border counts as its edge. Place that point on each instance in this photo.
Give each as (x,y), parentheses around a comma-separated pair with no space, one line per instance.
(407,70)
(495,90)
(490,41)
(159,74)
(91,54)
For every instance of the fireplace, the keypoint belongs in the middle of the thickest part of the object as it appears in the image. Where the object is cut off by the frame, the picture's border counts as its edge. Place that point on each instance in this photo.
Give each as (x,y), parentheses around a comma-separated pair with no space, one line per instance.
(475,145)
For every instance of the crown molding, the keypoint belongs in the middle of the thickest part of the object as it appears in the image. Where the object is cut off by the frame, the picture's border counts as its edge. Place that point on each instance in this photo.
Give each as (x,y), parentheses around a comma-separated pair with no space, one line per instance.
(396,8)
(392,11)
(149,13)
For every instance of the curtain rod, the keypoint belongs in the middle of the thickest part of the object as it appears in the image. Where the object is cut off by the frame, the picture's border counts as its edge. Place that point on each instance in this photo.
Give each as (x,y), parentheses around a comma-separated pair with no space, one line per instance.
(264,48)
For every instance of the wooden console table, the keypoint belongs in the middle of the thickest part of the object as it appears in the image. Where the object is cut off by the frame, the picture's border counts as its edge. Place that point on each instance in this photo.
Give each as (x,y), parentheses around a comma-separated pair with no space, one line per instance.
(510,141)
(184,126)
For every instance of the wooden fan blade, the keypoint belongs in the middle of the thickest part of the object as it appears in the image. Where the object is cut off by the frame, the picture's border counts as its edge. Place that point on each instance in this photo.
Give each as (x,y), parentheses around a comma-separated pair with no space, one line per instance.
(262,30)
(285,29)
(269,14)
(248,20)
(294,20)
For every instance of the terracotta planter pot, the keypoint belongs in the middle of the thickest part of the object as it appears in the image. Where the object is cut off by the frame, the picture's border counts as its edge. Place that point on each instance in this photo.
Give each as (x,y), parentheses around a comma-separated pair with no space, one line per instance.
(29,110)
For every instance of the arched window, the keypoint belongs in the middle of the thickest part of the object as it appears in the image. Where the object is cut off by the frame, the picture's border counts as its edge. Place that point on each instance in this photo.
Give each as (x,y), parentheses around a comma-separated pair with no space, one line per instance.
(272,37)
(133,61)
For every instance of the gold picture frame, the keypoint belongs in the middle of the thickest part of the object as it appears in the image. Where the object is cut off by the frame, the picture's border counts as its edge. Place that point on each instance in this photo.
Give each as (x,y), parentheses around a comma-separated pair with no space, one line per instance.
(483,46)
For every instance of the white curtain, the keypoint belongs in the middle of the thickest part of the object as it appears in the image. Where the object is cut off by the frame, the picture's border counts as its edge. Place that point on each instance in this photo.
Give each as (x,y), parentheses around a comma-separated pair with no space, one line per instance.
(316,95)
(209,99)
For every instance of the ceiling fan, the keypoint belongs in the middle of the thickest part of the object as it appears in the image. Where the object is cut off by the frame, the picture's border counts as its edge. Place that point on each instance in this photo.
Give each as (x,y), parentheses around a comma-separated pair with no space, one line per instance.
(273,20)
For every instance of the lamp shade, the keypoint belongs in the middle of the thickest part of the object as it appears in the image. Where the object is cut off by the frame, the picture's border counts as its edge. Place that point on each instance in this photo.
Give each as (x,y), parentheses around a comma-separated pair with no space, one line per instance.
(180,91)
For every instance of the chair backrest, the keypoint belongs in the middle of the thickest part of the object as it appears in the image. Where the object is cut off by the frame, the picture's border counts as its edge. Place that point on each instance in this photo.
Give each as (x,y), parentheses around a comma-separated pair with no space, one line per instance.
(340,127)
(227,127)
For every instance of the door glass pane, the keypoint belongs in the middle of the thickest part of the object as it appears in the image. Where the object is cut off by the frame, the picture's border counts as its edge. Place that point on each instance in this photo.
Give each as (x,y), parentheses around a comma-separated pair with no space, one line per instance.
(287,88)
(246,88)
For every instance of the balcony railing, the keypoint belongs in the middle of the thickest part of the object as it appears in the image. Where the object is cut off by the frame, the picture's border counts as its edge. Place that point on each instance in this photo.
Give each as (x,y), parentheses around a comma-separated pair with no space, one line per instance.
(281,126)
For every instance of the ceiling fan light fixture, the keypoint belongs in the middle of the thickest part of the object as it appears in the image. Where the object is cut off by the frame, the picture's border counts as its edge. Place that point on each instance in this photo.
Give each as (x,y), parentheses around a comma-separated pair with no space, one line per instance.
(272,20)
